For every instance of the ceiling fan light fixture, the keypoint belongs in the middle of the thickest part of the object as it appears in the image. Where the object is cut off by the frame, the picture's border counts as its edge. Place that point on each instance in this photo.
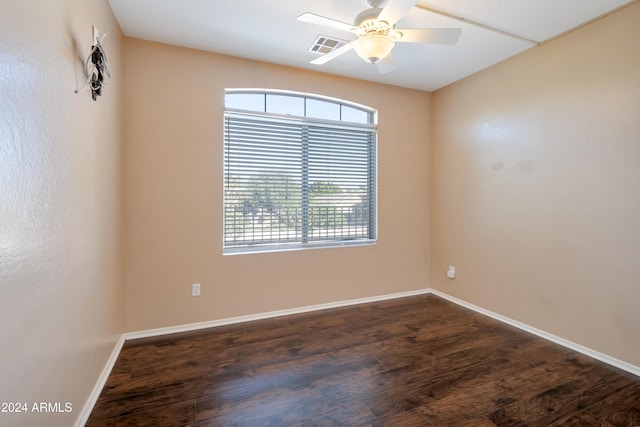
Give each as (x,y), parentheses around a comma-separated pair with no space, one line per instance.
(374,47)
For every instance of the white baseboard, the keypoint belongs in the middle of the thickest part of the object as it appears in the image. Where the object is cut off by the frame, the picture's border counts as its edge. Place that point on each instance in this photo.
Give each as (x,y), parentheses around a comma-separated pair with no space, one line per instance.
(102,380)
(542,334)
(95,394)
(267,315)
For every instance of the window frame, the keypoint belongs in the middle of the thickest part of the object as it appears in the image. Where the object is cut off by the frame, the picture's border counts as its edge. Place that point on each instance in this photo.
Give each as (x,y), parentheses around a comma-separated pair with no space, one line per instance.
(372,168)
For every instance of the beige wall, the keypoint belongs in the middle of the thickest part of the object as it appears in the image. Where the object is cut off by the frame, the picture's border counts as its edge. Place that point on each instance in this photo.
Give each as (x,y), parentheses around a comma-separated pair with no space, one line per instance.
(536,187)
(174,103)
(61,272)
(535,200)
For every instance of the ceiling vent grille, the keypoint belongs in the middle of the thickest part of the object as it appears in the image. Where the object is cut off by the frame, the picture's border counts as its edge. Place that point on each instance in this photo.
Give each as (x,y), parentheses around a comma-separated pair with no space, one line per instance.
(325,44)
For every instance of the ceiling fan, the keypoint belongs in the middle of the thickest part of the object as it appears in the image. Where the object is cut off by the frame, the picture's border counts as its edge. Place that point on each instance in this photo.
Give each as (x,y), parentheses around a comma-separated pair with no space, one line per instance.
(377,35)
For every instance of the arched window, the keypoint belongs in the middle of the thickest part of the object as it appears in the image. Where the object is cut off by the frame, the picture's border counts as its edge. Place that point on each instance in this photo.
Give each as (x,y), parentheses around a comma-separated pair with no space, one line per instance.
(299,171)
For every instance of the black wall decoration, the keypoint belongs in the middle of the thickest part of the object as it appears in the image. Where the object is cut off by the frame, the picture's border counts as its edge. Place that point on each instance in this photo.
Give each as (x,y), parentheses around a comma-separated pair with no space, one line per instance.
(95,67)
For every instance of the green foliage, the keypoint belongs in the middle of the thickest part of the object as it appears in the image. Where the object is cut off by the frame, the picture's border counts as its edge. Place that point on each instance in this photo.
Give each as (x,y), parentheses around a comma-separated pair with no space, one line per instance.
(321,187)
(267,199)
(269,202)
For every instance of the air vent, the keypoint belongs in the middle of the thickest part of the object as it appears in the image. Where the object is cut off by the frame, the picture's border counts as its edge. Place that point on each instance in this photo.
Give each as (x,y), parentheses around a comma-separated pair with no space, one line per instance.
(324,44)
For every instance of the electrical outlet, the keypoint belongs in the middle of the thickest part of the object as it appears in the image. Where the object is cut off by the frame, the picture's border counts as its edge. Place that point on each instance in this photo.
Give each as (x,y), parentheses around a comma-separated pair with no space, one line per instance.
(451,272)
(195,290)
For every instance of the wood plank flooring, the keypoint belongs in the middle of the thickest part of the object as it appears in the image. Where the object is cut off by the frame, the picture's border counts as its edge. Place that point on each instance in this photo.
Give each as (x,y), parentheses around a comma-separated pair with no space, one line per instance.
(418,361)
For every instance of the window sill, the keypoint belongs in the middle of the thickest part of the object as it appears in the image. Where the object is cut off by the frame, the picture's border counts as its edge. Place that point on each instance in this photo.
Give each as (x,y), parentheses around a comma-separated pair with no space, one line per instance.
(284,247)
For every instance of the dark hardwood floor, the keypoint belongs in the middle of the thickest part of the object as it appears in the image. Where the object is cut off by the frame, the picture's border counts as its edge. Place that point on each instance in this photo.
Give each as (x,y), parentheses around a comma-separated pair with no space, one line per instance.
(418,361)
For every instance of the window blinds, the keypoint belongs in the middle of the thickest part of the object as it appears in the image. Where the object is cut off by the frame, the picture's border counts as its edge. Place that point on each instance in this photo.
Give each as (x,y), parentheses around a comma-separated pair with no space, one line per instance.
(297,181)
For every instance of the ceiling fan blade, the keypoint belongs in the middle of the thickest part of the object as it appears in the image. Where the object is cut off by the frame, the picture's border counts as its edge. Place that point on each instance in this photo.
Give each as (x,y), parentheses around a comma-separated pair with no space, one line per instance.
(334,54)
(430,35)
(312,18)
(387,64)
(396,9)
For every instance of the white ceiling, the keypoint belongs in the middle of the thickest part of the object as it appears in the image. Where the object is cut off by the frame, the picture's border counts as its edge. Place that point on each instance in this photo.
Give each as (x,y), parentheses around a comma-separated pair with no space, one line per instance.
(267,30)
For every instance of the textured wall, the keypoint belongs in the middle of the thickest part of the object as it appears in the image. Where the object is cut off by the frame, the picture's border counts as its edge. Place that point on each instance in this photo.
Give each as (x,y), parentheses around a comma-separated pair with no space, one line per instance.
(536,180)
(61,272)
(174,135)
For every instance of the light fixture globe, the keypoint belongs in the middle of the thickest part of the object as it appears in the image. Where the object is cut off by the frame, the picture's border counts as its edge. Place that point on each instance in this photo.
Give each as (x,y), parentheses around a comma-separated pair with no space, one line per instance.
(373,47)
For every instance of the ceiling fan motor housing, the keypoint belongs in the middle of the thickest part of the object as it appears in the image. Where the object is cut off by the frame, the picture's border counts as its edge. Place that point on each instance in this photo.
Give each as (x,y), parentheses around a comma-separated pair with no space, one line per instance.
(367,21)
(374,3)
